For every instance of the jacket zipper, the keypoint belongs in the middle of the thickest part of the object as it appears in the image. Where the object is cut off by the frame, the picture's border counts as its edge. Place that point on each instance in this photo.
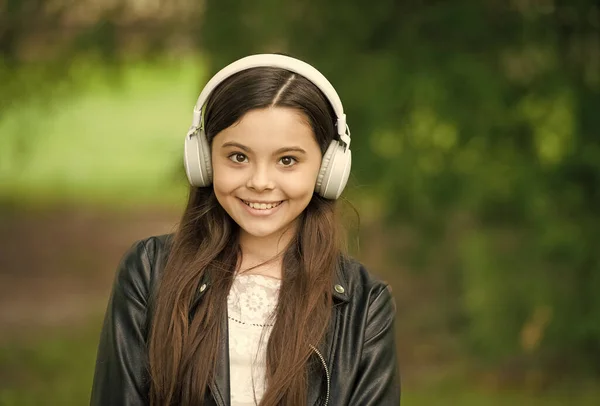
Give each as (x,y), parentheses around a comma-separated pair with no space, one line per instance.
(218,398)
(326,372)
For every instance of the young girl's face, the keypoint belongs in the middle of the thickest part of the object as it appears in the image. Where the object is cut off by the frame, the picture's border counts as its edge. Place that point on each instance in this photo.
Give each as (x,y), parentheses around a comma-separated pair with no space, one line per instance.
(265,168)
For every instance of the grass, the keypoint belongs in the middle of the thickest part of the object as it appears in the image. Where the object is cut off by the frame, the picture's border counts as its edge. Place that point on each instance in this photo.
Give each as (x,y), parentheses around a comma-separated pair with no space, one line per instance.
(54,369)
(58,370)
(462,397)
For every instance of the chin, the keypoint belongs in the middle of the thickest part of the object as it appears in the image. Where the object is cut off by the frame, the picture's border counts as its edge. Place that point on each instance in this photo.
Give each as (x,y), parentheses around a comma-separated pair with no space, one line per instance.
(260,232)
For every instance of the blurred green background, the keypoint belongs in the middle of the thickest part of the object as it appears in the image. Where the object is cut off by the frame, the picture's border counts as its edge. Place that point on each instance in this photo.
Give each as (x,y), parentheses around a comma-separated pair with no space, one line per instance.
(476,174)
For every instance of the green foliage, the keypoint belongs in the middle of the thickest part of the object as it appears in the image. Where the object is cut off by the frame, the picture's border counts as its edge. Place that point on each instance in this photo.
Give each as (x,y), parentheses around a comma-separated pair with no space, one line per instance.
(473,122)
(104,143)
(483,108)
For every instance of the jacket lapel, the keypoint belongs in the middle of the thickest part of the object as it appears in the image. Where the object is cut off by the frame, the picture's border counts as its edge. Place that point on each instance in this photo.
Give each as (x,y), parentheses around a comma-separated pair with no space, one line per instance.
(220,388)
(318,380)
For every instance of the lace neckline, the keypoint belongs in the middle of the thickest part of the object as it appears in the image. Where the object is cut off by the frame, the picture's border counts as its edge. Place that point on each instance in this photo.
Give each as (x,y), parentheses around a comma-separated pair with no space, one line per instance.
(257,276)
(252,299)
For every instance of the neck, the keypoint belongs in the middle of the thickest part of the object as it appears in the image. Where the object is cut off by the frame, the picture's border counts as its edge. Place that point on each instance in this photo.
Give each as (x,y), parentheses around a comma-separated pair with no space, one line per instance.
(264,254)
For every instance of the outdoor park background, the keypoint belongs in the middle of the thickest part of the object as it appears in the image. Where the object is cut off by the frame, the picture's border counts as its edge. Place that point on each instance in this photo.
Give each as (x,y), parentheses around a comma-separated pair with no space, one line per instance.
(476,173)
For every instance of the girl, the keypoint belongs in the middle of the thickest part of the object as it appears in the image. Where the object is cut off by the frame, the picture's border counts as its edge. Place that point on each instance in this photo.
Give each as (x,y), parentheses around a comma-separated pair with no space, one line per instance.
(251,301)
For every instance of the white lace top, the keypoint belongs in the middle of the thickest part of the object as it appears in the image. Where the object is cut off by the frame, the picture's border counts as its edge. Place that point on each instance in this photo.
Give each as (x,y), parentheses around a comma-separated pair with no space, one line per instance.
(250,304)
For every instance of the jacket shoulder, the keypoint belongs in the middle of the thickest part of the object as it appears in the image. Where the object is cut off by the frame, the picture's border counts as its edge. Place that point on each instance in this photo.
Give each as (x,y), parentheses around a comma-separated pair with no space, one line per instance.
(142,264)
(157,246)
(157,242)
(358,280)
(120,375)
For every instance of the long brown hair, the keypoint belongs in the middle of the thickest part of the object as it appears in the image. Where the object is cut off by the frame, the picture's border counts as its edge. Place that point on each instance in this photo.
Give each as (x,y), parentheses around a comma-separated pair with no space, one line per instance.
(183,343)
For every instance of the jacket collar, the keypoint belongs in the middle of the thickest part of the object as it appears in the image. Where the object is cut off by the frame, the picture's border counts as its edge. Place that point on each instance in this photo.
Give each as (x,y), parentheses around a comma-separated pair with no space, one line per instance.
(341,288)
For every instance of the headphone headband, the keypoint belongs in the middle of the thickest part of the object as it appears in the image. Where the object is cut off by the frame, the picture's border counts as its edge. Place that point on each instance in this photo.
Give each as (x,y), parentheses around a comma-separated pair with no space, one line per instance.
(277,61)
(337,158)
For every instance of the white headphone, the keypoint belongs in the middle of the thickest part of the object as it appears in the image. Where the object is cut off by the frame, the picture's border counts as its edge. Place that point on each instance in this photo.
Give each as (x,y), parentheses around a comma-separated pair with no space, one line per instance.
(337,160)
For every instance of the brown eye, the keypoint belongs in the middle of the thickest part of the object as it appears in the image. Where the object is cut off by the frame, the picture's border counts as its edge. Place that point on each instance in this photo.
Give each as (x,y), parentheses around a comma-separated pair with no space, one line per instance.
(238,158)
(288,160)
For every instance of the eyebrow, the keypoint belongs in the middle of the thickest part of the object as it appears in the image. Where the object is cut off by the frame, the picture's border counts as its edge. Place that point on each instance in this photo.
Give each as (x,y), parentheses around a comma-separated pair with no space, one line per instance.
(236,145)
(279,151)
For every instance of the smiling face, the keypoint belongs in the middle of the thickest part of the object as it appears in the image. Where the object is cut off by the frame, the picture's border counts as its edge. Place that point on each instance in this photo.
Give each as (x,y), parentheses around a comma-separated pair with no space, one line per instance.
(265,168)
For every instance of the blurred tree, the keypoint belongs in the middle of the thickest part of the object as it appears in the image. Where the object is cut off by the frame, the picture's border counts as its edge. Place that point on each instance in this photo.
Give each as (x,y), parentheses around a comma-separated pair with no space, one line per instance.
(49,48)
(488,109)
(41,42)
(475,122)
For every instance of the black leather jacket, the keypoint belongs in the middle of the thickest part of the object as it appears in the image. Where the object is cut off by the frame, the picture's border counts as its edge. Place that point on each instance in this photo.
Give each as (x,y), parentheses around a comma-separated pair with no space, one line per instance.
(358,358)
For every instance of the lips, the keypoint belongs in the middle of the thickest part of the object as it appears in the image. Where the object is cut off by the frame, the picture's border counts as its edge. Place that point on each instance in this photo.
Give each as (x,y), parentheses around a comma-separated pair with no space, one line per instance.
(262,205)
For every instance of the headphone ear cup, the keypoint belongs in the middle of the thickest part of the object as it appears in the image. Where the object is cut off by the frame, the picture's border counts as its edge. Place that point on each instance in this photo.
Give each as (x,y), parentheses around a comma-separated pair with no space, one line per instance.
(325,161)
(334,171)
(197,162)
(206,163)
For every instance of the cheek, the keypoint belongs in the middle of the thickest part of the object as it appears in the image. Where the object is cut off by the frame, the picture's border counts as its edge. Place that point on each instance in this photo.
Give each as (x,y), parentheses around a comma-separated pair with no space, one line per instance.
(302,185)
(224,178)
(224,184)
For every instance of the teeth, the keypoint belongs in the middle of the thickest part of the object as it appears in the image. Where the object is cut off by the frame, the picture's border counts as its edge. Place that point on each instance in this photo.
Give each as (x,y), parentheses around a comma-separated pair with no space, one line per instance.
(262,206)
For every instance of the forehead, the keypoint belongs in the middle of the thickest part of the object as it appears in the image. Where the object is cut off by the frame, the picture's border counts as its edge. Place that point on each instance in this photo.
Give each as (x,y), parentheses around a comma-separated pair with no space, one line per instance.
(273,126)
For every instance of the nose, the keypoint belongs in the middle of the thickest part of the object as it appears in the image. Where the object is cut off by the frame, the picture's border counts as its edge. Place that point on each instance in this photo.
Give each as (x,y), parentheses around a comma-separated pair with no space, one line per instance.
(260,179)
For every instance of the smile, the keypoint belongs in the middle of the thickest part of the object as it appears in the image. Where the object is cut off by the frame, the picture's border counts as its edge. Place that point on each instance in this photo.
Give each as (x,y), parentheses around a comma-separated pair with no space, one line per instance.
(261,205)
